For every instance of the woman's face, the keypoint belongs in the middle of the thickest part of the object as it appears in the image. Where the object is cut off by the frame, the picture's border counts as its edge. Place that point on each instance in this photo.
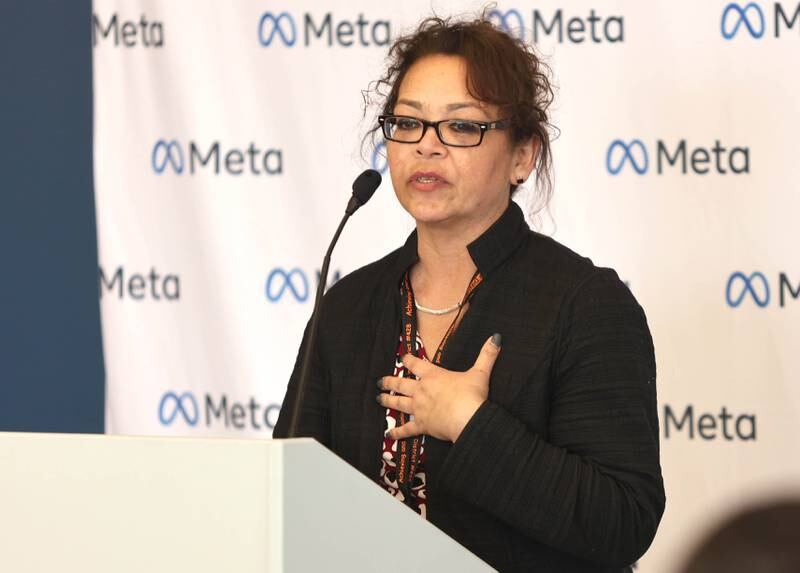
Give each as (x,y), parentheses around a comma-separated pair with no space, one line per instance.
(464,189)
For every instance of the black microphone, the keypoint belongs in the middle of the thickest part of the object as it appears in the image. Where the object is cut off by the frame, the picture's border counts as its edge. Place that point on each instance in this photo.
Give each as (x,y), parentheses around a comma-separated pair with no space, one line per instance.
(363,188)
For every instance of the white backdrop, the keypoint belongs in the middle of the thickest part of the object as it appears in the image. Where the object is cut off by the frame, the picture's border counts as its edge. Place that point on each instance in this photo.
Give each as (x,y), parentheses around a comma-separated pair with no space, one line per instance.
(227,138)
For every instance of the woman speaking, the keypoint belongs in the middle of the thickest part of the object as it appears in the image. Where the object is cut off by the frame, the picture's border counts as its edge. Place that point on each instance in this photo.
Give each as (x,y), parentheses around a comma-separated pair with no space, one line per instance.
(485,375)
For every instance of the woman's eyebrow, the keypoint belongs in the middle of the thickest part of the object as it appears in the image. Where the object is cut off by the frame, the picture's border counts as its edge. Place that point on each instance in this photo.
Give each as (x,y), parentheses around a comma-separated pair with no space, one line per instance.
(410,103)
(450,107)
(461,105)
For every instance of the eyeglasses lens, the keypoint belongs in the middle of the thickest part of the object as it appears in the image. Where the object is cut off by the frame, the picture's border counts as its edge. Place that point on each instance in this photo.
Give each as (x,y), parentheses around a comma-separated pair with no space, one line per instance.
(453,132)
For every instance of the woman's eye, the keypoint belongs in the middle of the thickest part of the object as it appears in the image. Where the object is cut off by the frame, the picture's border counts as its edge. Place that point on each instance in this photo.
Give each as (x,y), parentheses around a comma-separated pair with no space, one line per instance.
(463,127)
(406,124)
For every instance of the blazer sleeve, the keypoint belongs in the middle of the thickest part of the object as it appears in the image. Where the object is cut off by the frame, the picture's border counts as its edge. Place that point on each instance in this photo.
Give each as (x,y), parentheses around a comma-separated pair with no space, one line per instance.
(314,420)
(593,488)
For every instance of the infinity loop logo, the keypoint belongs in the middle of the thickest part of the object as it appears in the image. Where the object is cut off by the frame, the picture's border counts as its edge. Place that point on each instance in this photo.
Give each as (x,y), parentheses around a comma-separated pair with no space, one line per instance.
(280,280)
(739,15)
(379,161)
(639,163)
(173,404)
(509,21)
(746,285)
(281,25)
(167,153)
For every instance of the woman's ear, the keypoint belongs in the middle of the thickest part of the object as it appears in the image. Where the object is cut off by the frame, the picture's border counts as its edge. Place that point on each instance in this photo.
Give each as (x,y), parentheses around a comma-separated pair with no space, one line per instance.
(525,154)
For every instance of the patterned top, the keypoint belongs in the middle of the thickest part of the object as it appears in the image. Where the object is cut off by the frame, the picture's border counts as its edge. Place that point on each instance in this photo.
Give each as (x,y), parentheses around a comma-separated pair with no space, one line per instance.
(388,474)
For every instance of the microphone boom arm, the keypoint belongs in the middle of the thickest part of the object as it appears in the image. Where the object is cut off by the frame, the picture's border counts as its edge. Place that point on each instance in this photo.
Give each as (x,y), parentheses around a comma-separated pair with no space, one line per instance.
(312,334)
(363,188)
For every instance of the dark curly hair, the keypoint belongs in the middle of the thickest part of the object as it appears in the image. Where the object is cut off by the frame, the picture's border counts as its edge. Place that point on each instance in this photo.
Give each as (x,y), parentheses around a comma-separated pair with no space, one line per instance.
(501,70)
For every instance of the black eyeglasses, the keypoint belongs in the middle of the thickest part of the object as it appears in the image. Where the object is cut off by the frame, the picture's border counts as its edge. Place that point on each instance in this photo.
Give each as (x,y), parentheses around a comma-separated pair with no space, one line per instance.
(452,132)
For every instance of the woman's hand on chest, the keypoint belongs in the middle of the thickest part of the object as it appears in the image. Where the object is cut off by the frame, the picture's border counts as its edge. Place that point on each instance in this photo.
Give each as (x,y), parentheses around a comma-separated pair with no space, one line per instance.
(441,401)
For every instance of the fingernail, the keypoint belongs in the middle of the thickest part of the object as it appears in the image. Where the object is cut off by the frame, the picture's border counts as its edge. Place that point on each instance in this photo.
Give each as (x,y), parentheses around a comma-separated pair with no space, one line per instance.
(497,339)
(380,383)
(378,398)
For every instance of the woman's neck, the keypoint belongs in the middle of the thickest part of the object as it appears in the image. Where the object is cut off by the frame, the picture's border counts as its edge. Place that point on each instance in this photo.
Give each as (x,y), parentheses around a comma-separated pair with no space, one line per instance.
(445,266)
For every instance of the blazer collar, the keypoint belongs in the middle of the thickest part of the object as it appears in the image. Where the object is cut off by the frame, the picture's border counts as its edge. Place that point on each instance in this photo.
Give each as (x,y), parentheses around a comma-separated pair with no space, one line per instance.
(487,251)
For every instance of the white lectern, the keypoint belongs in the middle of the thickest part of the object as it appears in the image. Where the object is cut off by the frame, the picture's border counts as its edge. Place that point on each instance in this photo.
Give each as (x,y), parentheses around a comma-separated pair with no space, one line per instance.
(135,504)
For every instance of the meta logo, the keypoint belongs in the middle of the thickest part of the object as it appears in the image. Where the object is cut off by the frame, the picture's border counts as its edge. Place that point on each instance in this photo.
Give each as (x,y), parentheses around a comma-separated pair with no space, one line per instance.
(709,426)
(152,286)
(173,405)
(282,28)
(293,283)
(755,287)
(379,162)
(633,156)
(184,408)
(734,16)
(168,155)
(272,27)
(566,29)
(129,33)
(750,18)
(634,152)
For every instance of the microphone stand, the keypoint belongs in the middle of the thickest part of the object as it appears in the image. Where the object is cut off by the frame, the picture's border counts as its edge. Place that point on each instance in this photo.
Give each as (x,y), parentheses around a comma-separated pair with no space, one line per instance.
(312,335)
(363,189)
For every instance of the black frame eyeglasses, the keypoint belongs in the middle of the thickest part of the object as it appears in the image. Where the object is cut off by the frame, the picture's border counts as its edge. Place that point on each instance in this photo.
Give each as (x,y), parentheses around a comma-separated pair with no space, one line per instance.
(457,132)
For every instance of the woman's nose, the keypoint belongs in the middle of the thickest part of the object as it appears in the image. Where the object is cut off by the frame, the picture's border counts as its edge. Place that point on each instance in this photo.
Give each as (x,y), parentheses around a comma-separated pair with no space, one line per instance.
(430,144)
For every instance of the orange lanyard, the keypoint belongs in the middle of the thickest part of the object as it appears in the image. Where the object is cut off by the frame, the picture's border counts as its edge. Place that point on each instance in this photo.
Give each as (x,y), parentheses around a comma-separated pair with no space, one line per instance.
(408,449)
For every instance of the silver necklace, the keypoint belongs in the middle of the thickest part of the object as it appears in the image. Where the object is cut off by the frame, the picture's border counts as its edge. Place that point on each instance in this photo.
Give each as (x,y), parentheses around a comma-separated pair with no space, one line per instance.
(437,311)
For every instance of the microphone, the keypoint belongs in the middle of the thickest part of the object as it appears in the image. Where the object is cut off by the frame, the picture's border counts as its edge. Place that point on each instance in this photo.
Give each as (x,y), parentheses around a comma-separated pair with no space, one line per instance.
(363,188)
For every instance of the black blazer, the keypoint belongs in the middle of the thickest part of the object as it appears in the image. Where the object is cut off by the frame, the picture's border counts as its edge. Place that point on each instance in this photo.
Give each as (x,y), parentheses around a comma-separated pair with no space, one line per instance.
(559,469)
